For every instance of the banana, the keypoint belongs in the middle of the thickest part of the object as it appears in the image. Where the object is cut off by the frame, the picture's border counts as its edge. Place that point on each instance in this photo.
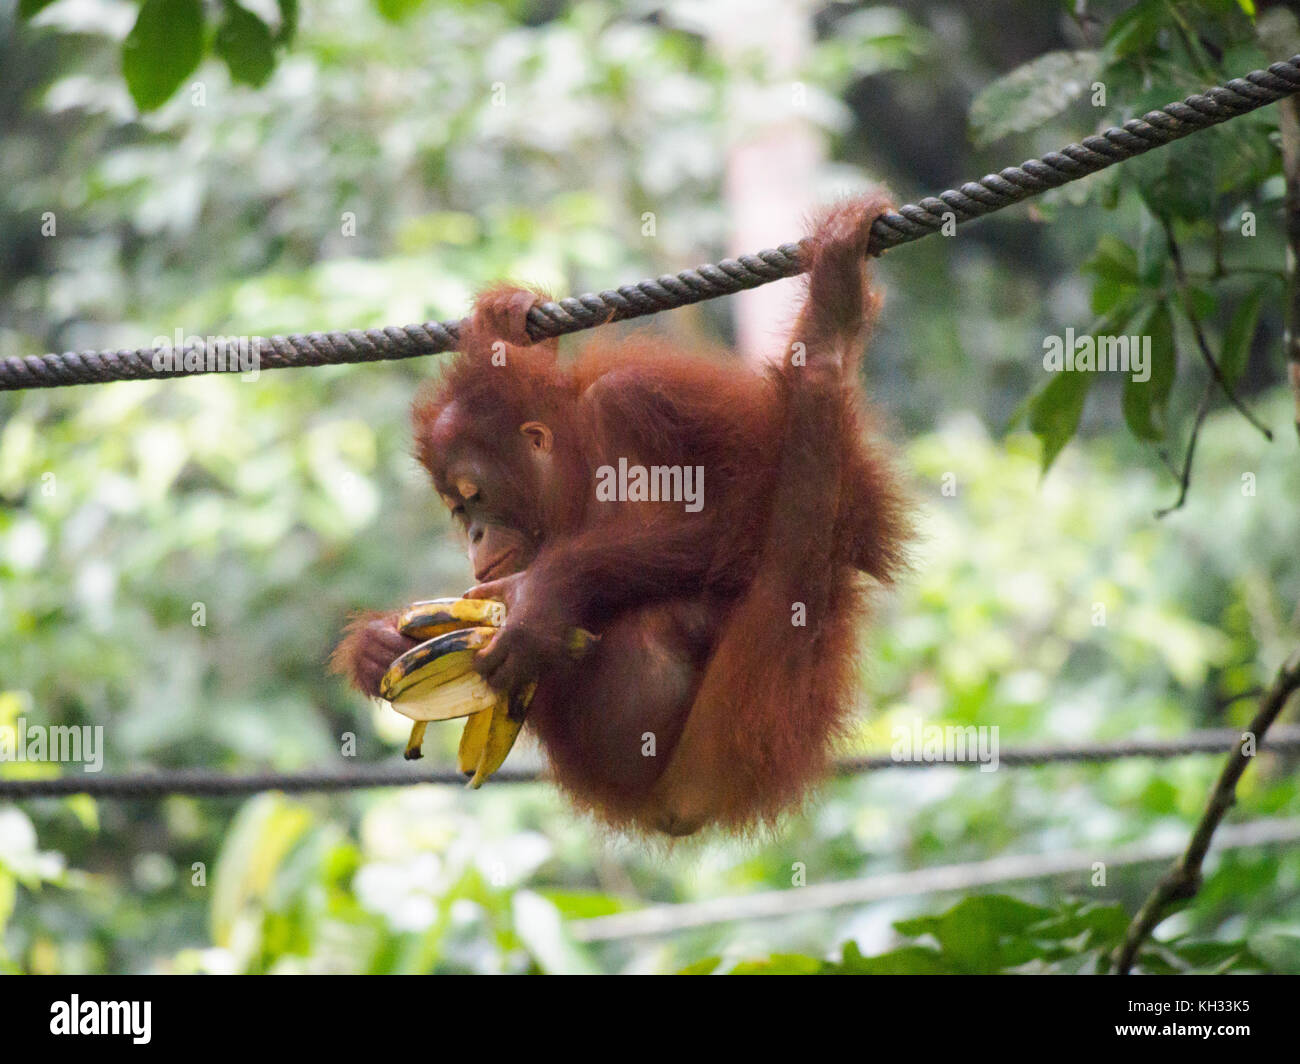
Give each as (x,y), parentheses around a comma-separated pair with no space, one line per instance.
(489,737)
(507,720)
(473,741)
(433,617)
(436,680)
(437,692)
(416,741)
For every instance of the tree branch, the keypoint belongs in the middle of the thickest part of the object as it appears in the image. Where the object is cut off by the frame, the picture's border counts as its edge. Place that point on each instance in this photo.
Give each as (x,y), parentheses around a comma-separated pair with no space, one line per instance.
(1185,477)
(1211,363)
(1183,880)
(1288,120)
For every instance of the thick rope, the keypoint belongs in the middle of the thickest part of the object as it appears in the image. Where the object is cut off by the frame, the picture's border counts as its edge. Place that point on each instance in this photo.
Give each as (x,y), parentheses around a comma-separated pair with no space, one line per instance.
(217,785)
(911,222)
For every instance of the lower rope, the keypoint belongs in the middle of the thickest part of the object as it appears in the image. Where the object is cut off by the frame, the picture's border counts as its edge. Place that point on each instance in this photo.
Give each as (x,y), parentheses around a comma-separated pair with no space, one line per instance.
(154,785)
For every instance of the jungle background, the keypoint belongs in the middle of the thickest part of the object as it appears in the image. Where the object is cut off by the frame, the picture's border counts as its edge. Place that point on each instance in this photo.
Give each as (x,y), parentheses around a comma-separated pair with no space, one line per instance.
(281,505)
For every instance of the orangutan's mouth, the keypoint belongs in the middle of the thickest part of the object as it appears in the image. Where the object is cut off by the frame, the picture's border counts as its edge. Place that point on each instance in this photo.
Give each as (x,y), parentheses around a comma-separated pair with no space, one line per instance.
(493,568)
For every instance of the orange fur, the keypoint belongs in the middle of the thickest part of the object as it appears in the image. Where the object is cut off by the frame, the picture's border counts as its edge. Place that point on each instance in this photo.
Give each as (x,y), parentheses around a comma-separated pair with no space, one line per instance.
(696,610)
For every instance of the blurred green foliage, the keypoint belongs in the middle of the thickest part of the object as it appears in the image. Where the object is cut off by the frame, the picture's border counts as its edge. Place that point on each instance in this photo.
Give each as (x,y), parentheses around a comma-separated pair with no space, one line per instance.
(176,558)
(995,933)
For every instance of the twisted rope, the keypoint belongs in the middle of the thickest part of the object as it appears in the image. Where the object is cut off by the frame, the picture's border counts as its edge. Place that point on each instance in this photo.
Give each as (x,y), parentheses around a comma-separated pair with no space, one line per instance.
(217,785)
(911,222)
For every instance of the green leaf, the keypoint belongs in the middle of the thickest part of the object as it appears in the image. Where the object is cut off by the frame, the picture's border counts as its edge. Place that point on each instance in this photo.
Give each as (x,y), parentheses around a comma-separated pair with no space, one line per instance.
(984,933)
(244,41)
(1236,341)
(704,966)
(1099,924)
(1113,260)
(1054,412)
(1136,28)
(163,48)
(1199,302)
(781,964)
(1217,956)
(288,21)
(1145,402)
(1114,268)
(584,904)
(264,832)
(909,960)
(541,929)
(8,896)
(1031,94)
(1279,949)
(1153,252)
(999,911)
(867,41)
(397,10)
(28,8)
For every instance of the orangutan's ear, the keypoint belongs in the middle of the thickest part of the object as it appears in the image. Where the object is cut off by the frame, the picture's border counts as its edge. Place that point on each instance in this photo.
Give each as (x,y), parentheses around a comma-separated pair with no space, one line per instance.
(539,436)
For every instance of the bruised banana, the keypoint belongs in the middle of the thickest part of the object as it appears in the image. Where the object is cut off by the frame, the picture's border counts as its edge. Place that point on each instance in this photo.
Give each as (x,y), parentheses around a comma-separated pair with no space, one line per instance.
(434,617)
(436,681)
